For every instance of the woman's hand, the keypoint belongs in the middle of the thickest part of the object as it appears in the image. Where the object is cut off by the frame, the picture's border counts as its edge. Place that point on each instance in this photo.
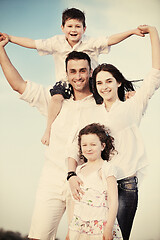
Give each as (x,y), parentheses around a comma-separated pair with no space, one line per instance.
(75,183)
(145,28)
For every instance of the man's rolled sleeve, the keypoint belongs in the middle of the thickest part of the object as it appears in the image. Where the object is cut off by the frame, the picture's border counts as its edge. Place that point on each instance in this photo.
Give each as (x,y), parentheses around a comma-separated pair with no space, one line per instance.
(37,96)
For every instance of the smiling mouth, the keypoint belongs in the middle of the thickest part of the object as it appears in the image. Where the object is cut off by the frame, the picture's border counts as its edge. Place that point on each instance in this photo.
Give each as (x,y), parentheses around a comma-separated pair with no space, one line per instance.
(106,91)
(78,81)
(74,35)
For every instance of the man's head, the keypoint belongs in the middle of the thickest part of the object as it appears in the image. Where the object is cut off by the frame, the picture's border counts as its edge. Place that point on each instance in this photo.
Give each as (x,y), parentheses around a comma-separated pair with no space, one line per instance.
(73,25)
(78,69)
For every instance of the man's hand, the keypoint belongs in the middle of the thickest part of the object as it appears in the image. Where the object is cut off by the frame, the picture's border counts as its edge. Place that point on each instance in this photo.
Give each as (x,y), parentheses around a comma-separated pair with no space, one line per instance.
(75,183)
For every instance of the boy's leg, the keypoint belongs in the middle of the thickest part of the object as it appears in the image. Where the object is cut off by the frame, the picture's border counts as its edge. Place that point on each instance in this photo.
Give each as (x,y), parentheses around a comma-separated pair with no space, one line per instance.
(54,108)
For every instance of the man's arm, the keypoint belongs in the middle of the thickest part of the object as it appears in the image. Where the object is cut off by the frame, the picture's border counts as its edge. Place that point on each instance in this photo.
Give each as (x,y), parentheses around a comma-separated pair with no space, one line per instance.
(116,38)
(74,181)
(12,75)
(22,41)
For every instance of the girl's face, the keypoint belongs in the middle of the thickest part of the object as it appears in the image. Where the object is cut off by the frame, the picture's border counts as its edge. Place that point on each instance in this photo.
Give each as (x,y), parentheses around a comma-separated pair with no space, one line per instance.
(107,86)
(91,147)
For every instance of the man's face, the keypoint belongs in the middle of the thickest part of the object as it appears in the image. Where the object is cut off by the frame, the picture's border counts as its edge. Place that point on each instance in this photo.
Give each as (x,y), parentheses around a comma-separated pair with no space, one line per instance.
(78,73)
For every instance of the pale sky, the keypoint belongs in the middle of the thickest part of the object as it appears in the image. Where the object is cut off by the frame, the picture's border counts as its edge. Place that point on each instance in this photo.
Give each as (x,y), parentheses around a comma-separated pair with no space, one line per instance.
(22,153)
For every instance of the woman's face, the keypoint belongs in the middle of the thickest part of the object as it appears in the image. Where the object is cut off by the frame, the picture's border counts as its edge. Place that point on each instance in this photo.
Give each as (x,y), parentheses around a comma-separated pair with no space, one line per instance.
(107,86)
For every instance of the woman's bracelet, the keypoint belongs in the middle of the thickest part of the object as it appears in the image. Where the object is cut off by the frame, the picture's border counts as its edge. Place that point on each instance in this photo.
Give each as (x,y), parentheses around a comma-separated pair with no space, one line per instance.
(71,174)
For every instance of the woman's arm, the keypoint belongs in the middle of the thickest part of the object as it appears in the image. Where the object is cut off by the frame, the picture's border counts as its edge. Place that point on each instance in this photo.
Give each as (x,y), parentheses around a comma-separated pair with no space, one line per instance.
(112,196)
(155,44)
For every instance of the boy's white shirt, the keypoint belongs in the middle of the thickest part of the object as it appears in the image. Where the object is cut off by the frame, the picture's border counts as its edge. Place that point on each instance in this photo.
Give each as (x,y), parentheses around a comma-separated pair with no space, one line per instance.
(59,48)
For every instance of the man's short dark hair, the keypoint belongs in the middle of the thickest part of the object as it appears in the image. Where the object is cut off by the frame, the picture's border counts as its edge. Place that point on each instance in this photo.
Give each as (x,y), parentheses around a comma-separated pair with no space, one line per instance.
(78,56)
(73,13)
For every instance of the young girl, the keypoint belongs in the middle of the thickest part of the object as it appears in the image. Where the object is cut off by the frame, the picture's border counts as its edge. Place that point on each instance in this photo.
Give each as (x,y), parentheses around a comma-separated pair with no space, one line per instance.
(95,214)
(123,119)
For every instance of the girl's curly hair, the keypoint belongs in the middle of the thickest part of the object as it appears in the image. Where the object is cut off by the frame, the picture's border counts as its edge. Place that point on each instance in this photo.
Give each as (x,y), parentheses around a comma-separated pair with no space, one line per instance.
(104,137)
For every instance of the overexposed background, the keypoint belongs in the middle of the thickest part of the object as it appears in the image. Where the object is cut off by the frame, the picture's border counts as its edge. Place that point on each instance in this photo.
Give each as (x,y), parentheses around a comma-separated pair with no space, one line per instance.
(21,128)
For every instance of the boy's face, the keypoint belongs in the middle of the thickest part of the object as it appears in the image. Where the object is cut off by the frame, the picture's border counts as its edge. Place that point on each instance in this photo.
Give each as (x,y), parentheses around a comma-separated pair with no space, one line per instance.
(73,30)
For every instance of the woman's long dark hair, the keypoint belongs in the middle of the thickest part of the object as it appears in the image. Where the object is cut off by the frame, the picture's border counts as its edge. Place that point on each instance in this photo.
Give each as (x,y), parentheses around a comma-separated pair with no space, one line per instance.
(125,84)
(104,136)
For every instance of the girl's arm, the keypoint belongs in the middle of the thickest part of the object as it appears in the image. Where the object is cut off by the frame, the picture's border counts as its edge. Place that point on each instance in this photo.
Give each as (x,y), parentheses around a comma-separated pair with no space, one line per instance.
(155,44)
(112,196)
(24,42)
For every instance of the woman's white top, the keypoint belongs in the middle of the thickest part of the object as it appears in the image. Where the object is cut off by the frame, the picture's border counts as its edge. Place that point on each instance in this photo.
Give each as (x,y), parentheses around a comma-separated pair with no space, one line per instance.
(123,120)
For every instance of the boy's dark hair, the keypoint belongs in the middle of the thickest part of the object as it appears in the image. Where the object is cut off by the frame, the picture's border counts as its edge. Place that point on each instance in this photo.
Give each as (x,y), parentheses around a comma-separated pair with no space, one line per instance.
(74,55)
(104,137)
(73,13)
(125,84)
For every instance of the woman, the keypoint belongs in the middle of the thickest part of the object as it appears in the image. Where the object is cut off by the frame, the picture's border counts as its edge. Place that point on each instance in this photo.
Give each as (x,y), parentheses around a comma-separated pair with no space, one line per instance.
(123,119)
(109,88)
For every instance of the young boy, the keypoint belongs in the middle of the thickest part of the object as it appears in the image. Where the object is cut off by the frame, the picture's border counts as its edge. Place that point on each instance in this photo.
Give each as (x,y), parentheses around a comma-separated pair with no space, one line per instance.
(73,27)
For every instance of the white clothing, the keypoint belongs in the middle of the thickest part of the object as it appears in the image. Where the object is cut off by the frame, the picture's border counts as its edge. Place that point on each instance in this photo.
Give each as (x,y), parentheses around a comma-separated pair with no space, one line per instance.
(75,115)
(59,48)
(123,120)
(91,212)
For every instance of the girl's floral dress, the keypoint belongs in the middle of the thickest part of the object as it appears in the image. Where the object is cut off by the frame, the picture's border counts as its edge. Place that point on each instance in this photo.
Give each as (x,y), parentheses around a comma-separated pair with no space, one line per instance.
(90,214)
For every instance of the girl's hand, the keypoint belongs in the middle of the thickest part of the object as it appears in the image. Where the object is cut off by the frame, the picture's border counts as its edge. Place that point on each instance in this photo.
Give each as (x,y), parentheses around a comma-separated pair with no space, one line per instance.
(107,235)
(67,237)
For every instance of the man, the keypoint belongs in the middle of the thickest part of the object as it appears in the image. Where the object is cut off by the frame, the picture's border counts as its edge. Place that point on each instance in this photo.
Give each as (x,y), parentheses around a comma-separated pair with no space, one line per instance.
(53,195)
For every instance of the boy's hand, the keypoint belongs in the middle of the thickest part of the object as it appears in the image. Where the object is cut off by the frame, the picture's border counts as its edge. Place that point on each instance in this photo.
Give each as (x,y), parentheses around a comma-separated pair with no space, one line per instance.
(129,94)
(75,183)
(138,32)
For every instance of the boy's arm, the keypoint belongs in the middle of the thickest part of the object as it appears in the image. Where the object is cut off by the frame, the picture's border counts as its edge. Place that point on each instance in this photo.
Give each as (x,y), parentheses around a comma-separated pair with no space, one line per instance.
(112,196)
(24,42)
(116,38)
(13,77)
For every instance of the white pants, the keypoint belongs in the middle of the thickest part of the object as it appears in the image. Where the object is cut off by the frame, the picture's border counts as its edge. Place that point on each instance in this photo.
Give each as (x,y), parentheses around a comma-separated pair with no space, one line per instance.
(52,199)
